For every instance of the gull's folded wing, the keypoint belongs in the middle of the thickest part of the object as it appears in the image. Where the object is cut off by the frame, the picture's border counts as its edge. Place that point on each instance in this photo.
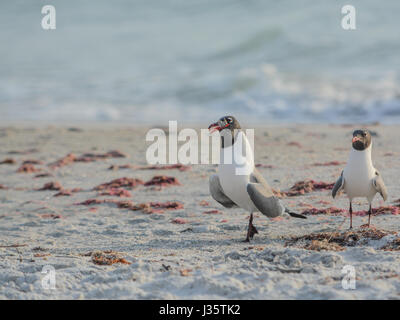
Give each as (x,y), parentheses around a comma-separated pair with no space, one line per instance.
(379,185)
(262,196)
(218,194)
(339,185)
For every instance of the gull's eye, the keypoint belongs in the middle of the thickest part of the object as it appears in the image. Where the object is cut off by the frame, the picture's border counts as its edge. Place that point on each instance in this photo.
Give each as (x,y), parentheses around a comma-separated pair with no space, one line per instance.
(364,134)
(229,120)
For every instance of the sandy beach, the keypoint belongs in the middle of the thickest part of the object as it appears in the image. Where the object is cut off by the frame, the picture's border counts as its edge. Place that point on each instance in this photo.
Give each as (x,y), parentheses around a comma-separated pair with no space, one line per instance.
(139,239)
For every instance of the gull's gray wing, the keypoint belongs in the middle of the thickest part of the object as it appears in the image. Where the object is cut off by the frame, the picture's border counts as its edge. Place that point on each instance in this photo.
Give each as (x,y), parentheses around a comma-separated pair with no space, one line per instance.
(339,185)
(218,194)
(262,196)
(379,185)
(256,177)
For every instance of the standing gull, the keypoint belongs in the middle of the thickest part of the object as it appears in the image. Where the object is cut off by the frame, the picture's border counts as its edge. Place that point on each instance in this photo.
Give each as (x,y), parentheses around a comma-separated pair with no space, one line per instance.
(238,183)
(359,178)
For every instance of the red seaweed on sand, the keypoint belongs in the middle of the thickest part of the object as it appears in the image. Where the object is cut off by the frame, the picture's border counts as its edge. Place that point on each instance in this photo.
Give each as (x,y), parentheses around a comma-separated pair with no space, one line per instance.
(67,192)
(107,258)
(326,211)
(52,186)
(295,144)
(87,157)
(117,167)
(90,157)
(266,166)
(28,168)
(178,166)
(378,211)
(212,212)
(119,183)
(33,150)
(303,187)
(330,163)
(51,216)
(147,207)
(90,202)
(43,175)
(8,161)
(169,205)
(157,207)
(69,158)
(336,211)
(118,192)
(393,245)
(179,221)
(162,181)
(337,241)
(32,161)
(125,204)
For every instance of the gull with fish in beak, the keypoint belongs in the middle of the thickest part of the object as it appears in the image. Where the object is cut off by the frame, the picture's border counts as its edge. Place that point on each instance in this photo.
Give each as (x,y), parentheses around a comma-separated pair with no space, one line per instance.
(238,183)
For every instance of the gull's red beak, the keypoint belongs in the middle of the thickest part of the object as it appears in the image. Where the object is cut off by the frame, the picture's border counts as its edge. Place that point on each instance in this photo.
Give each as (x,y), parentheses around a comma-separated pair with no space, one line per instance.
(356,139)
(214,127)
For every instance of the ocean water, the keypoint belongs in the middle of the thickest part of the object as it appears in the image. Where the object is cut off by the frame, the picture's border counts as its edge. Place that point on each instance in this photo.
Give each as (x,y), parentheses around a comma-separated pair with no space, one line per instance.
(196,60)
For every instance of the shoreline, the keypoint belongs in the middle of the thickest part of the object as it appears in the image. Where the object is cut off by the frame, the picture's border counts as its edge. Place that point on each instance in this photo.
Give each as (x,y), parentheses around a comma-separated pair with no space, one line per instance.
(191,124)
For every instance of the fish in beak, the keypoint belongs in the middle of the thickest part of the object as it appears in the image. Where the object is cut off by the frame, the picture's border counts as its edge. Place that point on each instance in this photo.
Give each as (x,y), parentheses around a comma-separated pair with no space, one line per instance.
(214,127)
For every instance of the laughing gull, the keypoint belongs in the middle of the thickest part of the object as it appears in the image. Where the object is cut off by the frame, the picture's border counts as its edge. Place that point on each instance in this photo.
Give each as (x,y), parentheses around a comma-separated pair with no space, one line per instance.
(238,183)
(359,178)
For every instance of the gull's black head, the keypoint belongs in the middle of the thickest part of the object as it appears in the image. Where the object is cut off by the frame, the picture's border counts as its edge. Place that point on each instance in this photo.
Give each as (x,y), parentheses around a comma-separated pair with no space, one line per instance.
(226,126)
(225,123)
(361,139)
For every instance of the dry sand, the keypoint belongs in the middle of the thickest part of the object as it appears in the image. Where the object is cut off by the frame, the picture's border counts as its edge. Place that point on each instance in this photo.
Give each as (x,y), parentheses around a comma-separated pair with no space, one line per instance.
(203,256)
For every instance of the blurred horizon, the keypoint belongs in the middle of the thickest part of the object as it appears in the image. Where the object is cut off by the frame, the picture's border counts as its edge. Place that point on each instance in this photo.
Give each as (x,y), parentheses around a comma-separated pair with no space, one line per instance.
(191,61)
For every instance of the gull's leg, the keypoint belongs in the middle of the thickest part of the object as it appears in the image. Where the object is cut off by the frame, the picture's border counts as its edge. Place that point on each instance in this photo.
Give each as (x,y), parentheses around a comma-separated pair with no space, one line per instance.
(251,231)
(369,214)
(351,216)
